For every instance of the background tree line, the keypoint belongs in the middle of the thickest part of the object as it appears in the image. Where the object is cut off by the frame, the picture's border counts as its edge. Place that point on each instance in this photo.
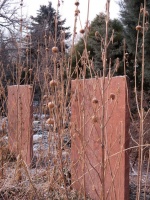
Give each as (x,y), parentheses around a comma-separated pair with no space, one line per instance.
(124,40)
(123,30)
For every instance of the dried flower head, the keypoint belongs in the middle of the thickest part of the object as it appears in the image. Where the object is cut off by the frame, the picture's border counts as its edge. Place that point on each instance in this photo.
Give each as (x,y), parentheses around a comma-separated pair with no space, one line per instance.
(53,83)
(77,3)
(51,105)
(95,100)
(112,96)
(94,119)
(77,11)
(138,28)
(50,121)
(82,31)
(55,49)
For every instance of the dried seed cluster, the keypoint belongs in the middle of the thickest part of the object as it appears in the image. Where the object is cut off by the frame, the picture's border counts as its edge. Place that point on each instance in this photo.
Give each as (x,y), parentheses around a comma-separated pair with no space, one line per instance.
(95,100)
(53,83)
(55,49)
(50,121)
(51,105)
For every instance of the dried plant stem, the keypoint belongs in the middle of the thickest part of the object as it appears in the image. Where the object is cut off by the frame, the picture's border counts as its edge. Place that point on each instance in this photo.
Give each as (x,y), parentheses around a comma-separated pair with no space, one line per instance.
(29,177)
(141,133)
(1,161)
(135,70)
(18,169)
(147,176)
(103,104)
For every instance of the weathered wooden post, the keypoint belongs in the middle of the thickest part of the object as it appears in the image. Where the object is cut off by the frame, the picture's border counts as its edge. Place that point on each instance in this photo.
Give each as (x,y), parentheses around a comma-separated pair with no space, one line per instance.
(86,131)
(20,138)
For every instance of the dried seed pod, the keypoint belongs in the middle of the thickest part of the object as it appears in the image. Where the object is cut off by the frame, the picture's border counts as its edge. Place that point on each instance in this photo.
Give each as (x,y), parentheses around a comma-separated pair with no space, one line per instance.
(95,100)
(51,105)
(46,49)
(55,49)
(138,28)
(82,31)
(77,11)
(141,10)
(30,70)
(77,3)
(45,97)
(53,83)
(50,121)
(146,13)
(94,119)
(112,96)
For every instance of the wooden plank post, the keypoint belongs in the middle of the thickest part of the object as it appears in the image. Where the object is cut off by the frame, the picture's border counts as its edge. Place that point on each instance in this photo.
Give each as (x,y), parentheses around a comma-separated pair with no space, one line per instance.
(20,111)
(86,131)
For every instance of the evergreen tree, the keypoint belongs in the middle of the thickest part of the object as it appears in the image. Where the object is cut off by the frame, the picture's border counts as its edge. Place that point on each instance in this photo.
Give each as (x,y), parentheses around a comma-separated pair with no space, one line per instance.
(96,37)
(115,49)
(47,31)
(131,17)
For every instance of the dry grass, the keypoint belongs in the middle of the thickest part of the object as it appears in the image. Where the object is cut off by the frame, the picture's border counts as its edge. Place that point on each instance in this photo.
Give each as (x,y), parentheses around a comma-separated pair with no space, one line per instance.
(49,177)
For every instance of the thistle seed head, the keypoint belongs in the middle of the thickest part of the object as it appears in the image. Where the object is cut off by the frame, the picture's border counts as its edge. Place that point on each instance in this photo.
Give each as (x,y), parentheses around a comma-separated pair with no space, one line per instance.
(55,49)
(51,105)
(95,100)
(53,83)
(50,121)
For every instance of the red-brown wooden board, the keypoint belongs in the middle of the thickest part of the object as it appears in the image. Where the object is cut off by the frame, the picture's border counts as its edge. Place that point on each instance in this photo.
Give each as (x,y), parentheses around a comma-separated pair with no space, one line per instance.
(20,136)
(86,151)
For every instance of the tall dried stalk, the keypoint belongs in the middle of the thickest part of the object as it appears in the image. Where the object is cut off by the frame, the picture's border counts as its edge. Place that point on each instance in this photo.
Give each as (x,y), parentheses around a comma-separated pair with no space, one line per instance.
(103,137)
(51,176)
(141,133)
